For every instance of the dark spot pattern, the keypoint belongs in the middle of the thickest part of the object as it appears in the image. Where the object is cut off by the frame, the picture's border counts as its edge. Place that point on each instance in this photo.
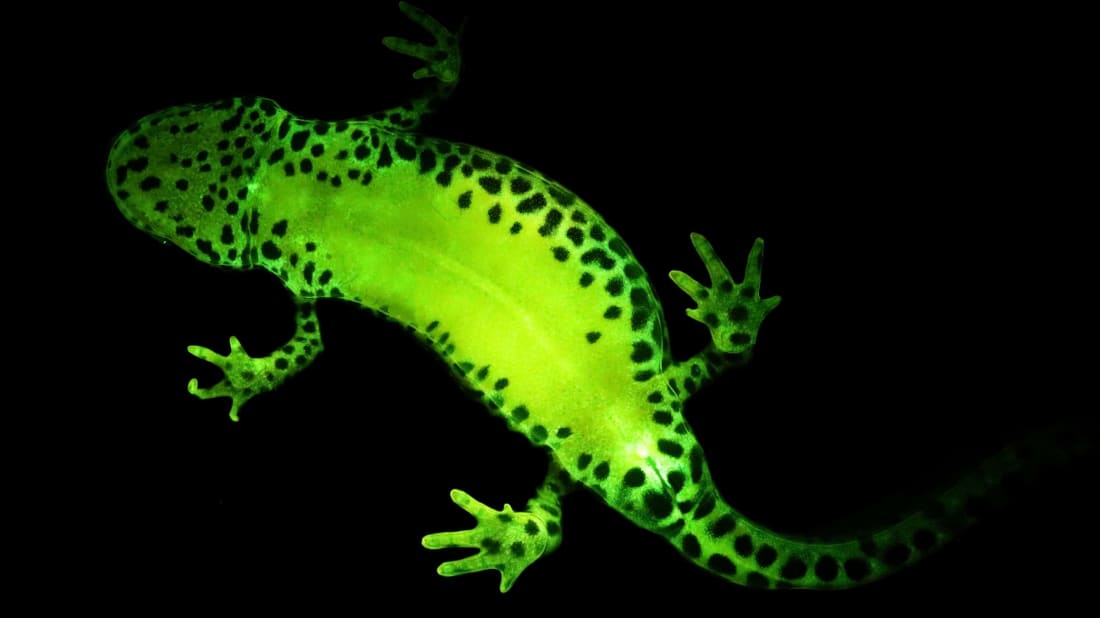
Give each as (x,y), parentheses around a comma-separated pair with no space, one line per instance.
(721,564)
(794,568)
(826,568)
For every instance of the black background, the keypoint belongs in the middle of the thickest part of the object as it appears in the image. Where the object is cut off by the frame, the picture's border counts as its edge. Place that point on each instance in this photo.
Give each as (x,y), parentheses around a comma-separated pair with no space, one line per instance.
(916,178)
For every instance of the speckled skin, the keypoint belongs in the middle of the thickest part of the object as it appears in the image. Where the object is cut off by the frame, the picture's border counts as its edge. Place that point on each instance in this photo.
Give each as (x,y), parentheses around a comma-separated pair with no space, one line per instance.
(535,302)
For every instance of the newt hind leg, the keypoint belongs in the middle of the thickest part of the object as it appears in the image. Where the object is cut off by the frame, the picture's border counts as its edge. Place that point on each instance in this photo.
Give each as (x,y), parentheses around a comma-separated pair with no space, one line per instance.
(732,311)
(442,62)
(507,541)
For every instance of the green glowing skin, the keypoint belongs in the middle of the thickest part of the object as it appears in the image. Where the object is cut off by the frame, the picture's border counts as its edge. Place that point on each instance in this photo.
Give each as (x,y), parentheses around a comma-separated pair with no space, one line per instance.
(535,302)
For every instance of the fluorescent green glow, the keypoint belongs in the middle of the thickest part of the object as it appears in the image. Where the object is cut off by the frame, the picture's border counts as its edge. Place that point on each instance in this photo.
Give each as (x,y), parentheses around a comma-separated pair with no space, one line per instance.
(493,266)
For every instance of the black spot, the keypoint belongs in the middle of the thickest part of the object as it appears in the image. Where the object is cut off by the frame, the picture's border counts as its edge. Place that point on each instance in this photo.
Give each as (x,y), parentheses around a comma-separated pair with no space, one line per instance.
(538,433)
(756,580)
(289,168)
(601,471)
(706,505)
(494,213)
(320,128)
(592,336)
(634,477)
(923,539)
(561,254)
(670,448)
(464,199)
(231,124)
(160,206)
(520,414)
(531,528)
(141,142)
(642,352)
(227,235)
(553,219)
(856,568)
(691,546)
(575,235)
(826,568)
(597,233)
(599,256)
(766,555)
(696,463)
(136,165)
(187,231)
(500,384)
(427,161)
(896,555)
(325,277)
(722,526)
(795,568)
(662,417)
(739,313)
(516,227)
(612,312)
(721,564)
(658,504)
(385,159)
(361,152)
(150,183)
(583,461)
(519,186)
(279,229)
(317,150)
(586,280)
(553,528)
(531,204)
(479,162)
(618,246)
(740,339)
(561,196)
(404,150)
(491,546)
(306,166)
(491,184)
(563,432)
(517,549)
(676,480)
(742,544)
(270,251)
(298,140)
(633,271)
(614,287)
